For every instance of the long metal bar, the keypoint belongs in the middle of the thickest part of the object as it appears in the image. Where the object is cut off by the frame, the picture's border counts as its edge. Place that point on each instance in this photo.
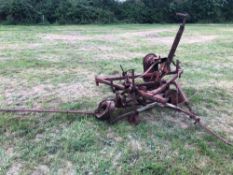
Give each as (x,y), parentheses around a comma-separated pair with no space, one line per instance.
(45,111)
(107,82)
(164,86)
(176,40)
(139,110)
(114,78)
(189,115)
(197,121)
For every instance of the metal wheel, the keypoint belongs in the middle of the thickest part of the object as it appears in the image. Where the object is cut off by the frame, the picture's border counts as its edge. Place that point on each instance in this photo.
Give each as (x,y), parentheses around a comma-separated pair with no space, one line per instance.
(104,110)
(174,97)
(148,60)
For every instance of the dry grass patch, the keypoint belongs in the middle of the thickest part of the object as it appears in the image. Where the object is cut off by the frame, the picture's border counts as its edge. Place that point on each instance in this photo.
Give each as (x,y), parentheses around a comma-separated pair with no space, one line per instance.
(222,123)
(113,136)
(179,121)
(127,36)
(15,169)
(134,144)
(17,91)
(21,46)
(96,48)
(113,36)
(66,168)
(41,170)
(185,40)
(66,38)
(121,55)
(145,34)
(47,93)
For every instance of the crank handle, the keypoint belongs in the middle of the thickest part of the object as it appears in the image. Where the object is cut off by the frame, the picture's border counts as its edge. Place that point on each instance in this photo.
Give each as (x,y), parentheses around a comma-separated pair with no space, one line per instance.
(184,16)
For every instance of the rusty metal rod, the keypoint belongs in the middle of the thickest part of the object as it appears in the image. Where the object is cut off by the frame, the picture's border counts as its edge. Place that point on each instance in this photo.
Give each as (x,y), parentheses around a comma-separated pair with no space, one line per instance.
(114,78)
(164,86)
(197,121)
(133,112)
(45,111)
(107,82)
(177,39)
(190,115)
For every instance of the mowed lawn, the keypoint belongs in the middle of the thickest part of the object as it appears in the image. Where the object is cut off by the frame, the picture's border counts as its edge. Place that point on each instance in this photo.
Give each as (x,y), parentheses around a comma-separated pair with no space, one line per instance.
(55,66)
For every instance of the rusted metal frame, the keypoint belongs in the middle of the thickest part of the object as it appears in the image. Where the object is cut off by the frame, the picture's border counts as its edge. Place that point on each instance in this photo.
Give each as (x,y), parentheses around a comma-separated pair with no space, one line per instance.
(113,89)
(164,86)
(133,118)
(181,92)
(127,82)
(104,81)
(189,113)
(150,68)
(115,78)
(109,82)
(137,84)
(154,94)
(138,110)
(164,72)
(152,97)
(145,84)
(175,45)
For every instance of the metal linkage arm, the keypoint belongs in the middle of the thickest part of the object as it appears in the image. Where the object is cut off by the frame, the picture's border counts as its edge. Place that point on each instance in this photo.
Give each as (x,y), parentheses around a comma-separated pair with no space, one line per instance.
(177,39)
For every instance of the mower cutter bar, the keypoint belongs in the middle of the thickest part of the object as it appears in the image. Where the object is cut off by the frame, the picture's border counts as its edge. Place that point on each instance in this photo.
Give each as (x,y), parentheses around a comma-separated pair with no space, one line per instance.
(45,111)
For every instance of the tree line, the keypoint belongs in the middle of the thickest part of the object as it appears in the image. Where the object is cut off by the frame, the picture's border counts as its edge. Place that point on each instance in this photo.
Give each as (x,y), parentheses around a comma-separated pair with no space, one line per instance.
(112,11)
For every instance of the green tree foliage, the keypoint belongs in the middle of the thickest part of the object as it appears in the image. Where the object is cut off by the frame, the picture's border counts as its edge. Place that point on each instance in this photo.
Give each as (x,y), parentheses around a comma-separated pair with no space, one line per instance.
(202,10)
(228,10)
(108,11)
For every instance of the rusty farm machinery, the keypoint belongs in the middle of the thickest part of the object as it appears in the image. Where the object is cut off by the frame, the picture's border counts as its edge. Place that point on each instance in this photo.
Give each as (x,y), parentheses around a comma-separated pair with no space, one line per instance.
(134,93)
(157,85)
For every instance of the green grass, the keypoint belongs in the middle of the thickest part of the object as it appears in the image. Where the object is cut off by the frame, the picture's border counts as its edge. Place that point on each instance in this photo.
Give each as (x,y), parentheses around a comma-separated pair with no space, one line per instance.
(54,67)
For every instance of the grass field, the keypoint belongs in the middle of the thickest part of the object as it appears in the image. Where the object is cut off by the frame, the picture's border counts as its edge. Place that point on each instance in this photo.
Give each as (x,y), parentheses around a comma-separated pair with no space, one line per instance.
(54,67)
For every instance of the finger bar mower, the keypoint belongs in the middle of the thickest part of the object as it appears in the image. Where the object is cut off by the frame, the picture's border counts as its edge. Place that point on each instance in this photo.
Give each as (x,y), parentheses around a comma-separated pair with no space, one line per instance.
(158,83)
(156,86)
